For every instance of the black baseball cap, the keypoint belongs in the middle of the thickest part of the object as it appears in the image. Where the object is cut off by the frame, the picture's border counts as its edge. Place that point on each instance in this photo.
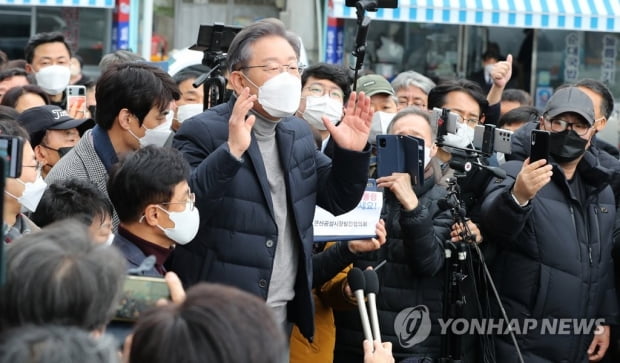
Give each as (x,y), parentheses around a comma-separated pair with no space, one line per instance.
(570,99)
(38,120)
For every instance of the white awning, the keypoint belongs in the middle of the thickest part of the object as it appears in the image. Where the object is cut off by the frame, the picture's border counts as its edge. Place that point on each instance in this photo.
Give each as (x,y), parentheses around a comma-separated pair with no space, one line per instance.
(63,3)
(585,15)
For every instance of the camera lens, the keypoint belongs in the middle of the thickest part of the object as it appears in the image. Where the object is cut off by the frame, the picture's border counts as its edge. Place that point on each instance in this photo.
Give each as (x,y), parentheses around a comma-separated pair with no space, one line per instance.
(382,142)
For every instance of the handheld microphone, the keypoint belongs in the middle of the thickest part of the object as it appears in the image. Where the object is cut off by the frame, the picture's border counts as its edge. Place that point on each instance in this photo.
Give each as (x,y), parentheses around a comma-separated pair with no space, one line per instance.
(372,289)
(356,281)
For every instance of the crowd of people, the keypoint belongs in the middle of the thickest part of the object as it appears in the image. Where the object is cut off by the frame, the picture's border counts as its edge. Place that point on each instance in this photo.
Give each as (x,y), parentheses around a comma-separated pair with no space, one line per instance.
(218,206)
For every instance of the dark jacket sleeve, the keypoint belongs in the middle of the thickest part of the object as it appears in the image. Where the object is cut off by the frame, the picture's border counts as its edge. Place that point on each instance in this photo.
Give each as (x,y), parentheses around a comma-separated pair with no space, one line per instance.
(341,181)
(501,217)
(423,239)
(212,167)
(329,262)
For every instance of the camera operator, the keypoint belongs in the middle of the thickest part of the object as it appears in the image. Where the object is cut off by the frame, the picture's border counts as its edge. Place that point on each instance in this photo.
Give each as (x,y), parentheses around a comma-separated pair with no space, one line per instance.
(552,221)
(413,275)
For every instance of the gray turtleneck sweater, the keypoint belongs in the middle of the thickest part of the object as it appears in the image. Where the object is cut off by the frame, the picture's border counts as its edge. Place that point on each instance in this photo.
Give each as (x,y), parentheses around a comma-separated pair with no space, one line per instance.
(284,271)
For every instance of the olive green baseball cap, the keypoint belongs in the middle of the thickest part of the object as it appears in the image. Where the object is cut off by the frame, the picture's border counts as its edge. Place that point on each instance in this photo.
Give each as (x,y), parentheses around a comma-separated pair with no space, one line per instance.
(374,84)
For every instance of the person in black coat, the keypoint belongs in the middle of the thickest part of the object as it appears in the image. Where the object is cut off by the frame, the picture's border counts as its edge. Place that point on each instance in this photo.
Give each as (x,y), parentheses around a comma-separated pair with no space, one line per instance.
(258,177)
(413,275)
(552,221)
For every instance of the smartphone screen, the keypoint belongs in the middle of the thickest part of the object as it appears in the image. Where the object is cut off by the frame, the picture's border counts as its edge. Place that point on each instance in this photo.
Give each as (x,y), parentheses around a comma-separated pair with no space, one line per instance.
(539,145)
(11,154)
(76,100)
(140,293)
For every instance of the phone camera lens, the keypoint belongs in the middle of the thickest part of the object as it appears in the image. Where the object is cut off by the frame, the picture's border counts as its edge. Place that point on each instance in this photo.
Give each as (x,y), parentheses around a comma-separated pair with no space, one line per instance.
(382,143)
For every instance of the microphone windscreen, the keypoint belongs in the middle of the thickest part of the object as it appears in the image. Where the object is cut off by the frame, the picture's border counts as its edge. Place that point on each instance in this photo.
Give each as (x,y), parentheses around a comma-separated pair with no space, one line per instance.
(372,282)
(356,280)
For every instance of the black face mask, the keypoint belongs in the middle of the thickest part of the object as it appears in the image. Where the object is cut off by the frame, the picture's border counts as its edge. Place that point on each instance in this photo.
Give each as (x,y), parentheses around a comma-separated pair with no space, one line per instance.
(566,146)
(62,151)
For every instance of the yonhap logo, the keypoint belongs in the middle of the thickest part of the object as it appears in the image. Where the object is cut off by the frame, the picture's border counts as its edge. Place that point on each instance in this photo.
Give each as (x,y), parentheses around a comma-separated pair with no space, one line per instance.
(412,325)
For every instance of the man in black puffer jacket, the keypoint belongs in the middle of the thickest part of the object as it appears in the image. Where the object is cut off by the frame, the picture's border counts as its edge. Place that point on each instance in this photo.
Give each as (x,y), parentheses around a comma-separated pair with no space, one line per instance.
(553,223)
(413,275)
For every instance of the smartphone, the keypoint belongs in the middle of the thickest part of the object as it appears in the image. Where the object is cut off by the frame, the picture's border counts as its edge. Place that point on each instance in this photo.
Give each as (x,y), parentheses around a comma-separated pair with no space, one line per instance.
(443,121)
(140,293)
(489,139)
(11,148)
(400,154)
(76,98)
(539,145)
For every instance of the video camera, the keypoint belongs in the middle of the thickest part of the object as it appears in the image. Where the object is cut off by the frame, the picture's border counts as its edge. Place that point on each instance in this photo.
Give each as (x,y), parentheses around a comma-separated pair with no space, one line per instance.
(214,40)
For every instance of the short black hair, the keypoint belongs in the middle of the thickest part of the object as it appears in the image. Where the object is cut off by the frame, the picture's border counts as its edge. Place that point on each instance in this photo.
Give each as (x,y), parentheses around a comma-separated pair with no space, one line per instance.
(598,87)
(10,127)
(437,96)
(56,344)
(59,276)
(71,198)
(14,94)
(332,72)
(137,87)
(519,115)
(13,72)
(517,95)
(146,176)
(43,38)
(215,323)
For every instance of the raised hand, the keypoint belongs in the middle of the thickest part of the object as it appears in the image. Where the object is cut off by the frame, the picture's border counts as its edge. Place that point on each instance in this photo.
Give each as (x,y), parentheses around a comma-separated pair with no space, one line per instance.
(502,71)
(531,179)
(400,185)
(240,127)
(371,244)
(352,132)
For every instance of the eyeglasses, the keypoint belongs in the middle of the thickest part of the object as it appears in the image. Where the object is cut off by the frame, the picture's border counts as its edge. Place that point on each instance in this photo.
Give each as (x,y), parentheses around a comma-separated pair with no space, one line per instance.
(318,90)
(558,125)
(37,166)
(274,68)
(191,200)
(471,122)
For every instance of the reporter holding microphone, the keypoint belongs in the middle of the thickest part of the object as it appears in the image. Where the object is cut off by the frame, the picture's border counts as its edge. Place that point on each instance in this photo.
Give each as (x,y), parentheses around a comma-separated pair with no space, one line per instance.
(413,274)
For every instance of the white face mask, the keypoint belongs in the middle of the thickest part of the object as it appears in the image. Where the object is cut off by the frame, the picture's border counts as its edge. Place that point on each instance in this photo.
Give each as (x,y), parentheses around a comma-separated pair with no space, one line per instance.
(427,156)
(157,135)
(463,138)
(317,107)
(53,79)
(186,225)
(186,111)
(33,192)
(110,239)
(280,96)
(379,125)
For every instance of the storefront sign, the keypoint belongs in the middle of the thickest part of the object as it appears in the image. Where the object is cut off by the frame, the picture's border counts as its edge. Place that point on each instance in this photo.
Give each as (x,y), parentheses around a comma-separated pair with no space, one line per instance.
(609,56)
(334,51)
(571,60)
(120,26)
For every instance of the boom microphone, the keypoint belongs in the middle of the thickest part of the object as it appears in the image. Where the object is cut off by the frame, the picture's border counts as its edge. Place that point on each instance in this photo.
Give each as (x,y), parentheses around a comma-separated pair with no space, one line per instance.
(372,289)
(356,281)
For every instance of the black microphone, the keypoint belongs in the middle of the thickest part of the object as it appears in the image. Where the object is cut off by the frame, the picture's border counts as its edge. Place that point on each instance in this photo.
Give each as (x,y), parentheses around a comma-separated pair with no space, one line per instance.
(358,283)
(372,289)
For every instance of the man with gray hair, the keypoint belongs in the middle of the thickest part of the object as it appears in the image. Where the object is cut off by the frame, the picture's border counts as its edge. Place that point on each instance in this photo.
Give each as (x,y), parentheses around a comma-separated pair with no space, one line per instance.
(412,89)
(258,177)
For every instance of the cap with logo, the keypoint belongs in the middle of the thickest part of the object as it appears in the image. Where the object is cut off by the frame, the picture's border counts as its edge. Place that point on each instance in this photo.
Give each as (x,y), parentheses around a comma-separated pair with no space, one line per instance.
(570,99)
(38,120)
(374,84)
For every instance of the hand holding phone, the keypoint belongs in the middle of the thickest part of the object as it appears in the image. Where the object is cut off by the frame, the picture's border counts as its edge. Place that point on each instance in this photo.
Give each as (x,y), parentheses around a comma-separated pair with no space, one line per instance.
(76,101)
(140,293)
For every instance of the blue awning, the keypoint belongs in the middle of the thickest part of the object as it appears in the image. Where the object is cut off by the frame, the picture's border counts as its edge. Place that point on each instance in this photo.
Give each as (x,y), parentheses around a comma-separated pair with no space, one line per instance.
(585,15)
(64,3)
